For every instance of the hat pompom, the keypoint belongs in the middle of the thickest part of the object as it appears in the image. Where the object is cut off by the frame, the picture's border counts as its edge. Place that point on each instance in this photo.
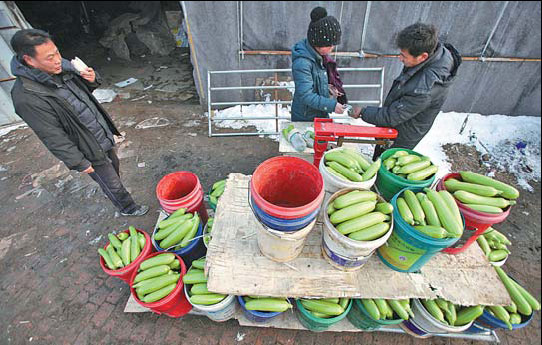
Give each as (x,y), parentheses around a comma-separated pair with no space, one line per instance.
(318,13)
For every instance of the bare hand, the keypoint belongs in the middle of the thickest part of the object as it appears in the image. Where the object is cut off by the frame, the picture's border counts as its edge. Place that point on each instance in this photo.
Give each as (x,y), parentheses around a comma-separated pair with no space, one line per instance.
(339,108)
(88,75)
(89,170)
(333,91)
(356,113)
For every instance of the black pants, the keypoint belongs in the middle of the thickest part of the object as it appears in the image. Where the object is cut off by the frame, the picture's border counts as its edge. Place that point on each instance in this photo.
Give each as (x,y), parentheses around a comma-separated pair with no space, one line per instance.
(108,177)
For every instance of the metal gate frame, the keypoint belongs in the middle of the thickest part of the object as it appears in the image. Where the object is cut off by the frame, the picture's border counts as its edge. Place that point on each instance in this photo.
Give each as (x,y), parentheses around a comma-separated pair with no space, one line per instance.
(210,89)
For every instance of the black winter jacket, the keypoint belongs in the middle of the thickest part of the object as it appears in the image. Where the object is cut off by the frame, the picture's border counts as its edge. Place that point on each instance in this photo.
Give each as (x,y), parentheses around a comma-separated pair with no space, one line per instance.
(416,97)
(54,119)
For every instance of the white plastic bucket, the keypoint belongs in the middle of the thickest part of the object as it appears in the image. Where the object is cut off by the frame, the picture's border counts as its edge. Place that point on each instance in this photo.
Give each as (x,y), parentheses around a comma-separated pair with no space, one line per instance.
(282,246)
(342,252)
(426,322)
(222,311)
(333,183)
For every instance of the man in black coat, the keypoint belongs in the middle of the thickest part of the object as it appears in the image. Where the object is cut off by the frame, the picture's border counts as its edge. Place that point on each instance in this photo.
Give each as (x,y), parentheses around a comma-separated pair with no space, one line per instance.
(417,95)
(55,100)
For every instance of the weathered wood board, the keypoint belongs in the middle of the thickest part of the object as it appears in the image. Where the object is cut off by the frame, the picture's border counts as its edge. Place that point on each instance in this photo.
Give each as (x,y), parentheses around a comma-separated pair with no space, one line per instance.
(236,266)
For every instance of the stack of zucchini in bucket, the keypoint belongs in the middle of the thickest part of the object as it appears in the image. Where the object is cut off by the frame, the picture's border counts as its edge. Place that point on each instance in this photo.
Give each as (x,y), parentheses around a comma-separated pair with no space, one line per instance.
(123,249)
(434,214)
(409,166)
(482,193)
(360,216)
(177,230)
(216,192)
(387,309)
(325,308)
(349,165)
(451,314)
(198,292)
(266,304)
(157,277)
(494,245)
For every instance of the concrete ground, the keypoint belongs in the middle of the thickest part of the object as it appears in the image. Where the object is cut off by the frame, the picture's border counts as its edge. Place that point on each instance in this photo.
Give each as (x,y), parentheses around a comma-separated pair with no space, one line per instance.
(52,289)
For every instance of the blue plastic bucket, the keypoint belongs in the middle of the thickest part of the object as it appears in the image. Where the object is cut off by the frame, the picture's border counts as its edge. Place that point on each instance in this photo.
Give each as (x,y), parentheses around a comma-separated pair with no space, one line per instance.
(489,321)
(280,224)
(407,250)
(256,316)
(195,250)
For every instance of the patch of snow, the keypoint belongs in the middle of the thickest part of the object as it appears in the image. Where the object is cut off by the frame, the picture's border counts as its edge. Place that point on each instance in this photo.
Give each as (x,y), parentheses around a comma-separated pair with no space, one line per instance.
(511,142)
(5,130)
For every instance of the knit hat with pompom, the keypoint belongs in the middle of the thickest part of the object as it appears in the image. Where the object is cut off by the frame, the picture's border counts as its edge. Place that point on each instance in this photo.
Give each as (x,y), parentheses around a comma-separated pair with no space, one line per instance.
(324,30)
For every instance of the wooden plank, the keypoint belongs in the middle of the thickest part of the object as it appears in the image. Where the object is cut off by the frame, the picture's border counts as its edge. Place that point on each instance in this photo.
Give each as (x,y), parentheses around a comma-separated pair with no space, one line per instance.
(236,266)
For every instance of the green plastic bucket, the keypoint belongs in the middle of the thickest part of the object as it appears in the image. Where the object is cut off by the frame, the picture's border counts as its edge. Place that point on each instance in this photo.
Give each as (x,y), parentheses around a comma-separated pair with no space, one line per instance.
(360,318)
(407,249)
(317,324)
(389,184)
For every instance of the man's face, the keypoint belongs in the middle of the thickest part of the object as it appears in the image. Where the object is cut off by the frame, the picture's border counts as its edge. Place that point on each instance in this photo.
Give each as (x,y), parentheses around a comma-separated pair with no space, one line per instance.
(410,60)
(46,59)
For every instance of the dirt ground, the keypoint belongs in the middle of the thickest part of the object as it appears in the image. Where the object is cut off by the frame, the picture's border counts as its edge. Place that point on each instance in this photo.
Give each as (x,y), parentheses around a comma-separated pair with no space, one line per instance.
(52,289)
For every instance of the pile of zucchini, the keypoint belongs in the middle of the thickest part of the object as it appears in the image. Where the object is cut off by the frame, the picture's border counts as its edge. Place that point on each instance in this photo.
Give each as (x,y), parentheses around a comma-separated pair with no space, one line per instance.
(451,314)
(434,214)
(208,229)
(349,165)
(216,191)
(177,230)
(198,292)
(523,302)
(358,215)
(482,193)
(325,308)
(494,245)
(157,277)
(123,249)
(387,309)
(410,167)
(266,304)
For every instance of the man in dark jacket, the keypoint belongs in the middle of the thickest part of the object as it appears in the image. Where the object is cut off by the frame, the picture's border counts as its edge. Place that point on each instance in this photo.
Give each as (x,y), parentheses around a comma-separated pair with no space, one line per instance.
(55,100)
(417,95)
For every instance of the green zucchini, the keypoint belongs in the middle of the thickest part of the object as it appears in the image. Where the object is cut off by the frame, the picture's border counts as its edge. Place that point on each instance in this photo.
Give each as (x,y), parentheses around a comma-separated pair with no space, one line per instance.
(159,294)
(107,259)
(470,198)
(352,211)
(354,197)
(371,172)
(453,185)
(415,207)
(405,211)
(268,304)
(160,259)
(360,223)
(508,191)
(348,173)
(371,233)
(207,299)
(423,174)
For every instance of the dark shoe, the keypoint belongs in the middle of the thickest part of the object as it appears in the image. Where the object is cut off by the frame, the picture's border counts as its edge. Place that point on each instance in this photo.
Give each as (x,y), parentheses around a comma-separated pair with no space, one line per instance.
(139,211)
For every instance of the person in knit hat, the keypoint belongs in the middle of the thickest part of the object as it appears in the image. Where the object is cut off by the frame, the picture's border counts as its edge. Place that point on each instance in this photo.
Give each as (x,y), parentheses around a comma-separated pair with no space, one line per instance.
(315,74)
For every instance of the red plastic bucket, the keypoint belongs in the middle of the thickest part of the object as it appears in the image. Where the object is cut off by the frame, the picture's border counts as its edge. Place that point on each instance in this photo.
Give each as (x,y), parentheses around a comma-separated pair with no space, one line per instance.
(475,221)
(175,304)
(125,273)
(181,189)
(287,187)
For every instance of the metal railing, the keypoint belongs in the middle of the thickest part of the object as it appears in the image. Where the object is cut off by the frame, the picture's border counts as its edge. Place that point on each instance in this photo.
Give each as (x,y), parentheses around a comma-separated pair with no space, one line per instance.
(275,88)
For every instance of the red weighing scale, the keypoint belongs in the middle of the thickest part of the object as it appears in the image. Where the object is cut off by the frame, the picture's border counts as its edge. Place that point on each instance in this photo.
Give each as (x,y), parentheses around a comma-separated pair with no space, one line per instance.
(326,131)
